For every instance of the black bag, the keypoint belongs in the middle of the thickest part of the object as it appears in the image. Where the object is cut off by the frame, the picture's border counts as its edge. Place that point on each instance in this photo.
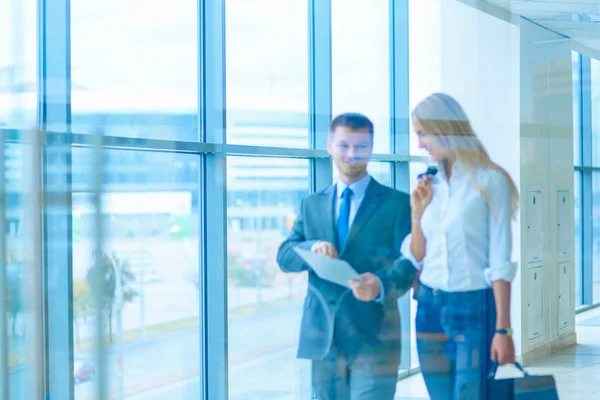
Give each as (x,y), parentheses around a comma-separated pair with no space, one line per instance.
(529,387)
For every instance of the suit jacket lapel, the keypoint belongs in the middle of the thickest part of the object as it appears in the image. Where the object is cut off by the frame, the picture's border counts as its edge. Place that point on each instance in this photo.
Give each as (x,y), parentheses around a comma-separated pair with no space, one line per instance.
(369,204)
(328,204)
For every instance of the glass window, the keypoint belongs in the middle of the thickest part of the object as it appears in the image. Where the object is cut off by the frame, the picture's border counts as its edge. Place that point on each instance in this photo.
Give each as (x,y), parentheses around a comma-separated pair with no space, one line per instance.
(361,63)
(595,95)
(21,243)
(578,244)
(595,92)
(576,109)
(267,72)
(596,236)
(151,244)
(425,57)
(265,305)
(135,68)
(18,64)
(381,172)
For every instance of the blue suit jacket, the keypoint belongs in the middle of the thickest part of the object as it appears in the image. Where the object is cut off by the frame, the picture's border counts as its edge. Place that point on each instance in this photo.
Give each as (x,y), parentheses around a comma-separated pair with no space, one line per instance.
(373,245)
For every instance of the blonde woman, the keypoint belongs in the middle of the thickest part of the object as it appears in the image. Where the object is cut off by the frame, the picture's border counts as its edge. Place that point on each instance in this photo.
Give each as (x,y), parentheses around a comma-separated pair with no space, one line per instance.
(461,242)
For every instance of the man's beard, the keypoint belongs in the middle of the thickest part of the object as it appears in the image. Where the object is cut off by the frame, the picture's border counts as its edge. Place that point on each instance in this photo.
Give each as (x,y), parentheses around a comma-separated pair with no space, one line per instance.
(353,171)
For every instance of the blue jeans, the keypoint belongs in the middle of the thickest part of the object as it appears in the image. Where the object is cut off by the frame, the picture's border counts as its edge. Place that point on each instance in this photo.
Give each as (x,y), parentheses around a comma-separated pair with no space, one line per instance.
(454,338)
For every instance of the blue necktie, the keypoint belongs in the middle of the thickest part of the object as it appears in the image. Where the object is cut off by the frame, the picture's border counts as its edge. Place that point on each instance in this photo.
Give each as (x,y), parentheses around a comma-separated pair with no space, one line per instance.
(344,217)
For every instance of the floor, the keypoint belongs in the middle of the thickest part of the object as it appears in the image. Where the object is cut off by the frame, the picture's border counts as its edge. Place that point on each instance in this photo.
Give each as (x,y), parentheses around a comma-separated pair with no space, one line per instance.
(575,369)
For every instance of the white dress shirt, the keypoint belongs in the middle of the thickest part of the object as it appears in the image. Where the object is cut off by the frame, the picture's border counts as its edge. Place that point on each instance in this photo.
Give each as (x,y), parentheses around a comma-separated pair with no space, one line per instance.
(468,236)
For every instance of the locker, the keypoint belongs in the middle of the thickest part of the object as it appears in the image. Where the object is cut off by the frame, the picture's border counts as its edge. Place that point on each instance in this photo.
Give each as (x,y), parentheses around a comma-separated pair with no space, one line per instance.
(534,226)
(565,214)
(565,307)
(535,305)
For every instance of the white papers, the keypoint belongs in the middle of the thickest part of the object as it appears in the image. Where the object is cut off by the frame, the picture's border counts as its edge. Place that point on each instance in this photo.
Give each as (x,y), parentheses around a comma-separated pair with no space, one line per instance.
(332,269)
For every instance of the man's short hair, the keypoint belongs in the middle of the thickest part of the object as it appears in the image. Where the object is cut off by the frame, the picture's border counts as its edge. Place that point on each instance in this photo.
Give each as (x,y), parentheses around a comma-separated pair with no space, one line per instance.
(352,121)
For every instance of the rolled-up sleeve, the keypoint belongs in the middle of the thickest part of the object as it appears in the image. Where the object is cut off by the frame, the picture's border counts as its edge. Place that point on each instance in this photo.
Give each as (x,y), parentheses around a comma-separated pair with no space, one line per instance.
(499,198)
(407,253)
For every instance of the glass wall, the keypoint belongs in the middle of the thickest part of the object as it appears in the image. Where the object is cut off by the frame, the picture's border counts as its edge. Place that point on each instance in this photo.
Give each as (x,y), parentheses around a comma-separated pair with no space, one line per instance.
(20,249)
(267,72)
(18,64)
(184,138)
(595,148)
(578,226)
(587,180)
(264,304)
(176,144)
(577,160)
(149,264)
(360,63)
(576,108)
(134,69)
(596,237)
(21,255)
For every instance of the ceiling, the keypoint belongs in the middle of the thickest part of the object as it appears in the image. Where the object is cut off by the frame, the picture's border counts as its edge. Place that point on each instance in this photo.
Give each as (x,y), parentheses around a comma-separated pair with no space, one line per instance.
(576,19)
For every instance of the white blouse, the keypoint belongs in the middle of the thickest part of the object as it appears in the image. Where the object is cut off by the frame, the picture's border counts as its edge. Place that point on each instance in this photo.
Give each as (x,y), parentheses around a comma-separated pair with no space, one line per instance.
(468,237)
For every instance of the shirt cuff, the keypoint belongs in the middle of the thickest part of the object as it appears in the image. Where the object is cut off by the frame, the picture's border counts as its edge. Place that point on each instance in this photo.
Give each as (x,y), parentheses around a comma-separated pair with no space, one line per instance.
(503,272)
(406,253)
(381,296)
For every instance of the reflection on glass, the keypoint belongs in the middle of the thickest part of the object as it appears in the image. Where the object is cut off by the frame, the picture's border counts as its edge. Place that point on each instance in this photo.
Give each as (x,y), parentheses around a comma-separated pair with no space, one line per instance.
(267,72)
(361,63)
(150,223)
(380,171)
(596,237)
(135,68)
(265,305)
(576,109)
(18,63)
(21,270)
(425,57)
(595,93)
(415,168)
(578,244)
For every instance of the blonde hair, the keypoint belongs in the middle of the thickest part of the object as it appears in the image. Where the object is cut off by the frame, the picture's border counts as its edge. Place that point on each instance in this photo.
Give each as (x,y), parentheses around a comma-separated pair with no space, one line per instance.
(441,116)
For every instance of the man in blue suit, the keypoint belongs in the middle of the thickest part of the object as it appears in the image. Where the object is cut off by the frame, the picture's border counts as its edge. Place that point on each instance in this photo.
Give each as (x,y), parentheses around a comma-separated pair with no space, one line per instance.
(352,336)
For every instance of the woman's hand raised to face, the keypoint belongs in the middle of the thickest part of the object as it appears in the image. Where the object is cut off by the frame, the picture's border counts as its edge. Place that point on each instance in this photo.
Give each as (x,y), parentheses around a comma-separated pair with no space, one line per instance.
(421,197)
